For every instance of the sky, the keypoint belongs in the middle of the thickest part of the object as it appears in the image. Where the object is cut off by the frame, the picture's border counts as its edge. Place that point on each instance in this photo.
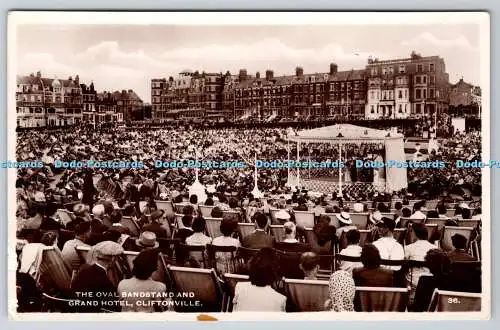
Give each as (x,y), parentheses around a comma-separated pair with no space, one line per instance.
(117,57)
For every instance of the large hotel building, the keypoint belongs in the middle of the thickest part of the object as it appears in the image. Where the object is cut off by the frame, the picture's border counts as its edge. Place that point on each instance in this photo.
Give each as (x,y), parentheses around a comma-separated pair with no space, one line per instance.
(400,88)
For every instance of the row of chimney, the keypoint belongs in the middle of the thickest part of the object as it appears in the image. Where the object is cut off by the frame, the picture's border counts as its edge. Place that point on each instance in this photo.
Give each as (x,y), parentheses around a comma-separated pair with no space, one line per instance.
(299,71)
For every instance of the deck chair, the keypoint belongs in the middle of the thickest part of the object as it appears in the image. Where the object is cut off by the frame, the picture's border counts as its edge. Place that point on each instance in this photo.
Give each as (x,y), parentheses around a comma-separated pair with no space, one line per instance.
(468,275)
(130,257)
(52,272)
(288,264)
(360,220)
(168,246)
(202,284)
(449,231)
(83,252)
(246,254)
(440,222)
(222,258)
(307,295)
(403,222)
(365,236)
(51,304)
(230,281)
(432,204)
(474,223)
(132,225)
(334,221)
(272,214)
(452,301)
(379,299)
(65,216)
(391,216)
(166,206)
(205,210)
(450,213)
(196,252)
(213,227)
(234,215)
(278,231)
(245,229)
(178,221)
(412,238)
(304,218)
(179,208)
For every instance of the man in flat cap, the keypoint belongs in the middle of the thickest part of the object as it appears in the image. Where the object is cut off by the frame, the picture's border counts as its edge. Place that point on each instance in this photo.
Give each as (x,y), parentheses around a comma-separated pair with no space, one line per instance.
(92,284)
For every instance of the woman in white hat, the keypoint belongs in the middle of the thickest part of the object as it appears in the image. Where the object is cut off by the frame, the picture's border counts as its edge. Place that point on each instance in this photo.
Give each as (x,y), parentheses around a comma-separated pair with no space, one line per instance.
(345,223)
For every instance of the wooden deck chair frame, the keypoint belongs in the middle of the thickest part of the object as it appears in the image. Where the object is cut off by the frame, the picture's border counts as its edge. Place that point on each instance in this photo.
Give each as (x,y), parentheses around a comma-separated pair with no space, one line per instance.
(48,302)
(272,214)
(206,210)
(474,223)
(230,281)
(132,225)
(307,300)
(455,296)
(334,221)
(360,220)
(233,263)
(213,227)
(216,286)
(51,260)
(450,213)
(278,231)
(179,207)
(166,206)
(188,249)
(245,229)
(304,218)
(465,231)
(400,308)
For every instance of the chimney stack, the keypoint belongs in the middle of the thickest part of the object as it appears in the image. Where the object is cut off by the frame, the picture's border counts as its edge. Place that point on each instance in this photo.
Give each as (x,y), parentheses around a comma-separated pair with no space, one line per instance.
(269,75)
(243,75)
(333,68)
(77,79)
(39,74)
(257,75)
(299,71)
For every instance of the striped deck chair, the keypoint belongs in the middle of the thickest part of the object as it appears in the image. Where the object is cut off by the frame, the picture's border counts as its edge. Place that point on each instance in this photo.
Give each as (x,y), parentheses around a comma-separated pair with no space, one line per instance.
(379,299)
(307,295)
(53,274)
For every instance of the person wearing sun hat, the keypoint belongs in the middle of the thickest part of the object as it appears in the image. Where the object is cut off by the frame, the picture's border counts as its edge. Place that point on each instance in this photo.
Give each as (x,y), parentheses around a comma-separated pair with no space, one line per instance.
(282,216)
(147,240)
(345,223)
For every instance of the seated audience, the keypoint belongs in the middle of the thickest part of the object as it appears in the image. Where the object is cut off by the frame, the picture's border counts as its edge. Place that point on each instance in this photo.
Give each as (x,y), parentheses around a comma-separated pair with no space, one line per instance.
(257,295)
(198,237)
(352,250)
(342,291)
(186,231)
(69,254)
(155,226)
(309,264)
(371,274)
(388,247)
(459,253)
(137,292)
(259,239)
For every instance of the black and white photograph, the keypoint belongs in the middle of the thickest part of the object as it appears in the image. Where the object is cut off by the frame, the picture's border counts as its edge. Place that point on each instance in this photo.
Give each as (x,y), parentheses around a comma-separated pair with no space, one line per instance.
(232,165)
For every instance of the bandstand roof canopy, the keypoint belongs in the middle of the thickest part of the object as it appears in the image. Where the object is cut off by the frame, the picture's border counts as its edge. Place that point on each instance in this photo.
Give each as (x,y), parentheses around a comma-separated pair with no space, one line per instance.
(345,133)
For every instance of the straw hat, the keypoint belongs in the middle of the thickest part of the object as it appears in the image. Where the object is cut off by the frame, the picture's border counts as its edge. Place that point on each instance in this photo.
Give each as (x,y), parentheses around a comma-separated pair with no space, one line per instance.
(344,217)
(147,240)
(376,217)
(283,215)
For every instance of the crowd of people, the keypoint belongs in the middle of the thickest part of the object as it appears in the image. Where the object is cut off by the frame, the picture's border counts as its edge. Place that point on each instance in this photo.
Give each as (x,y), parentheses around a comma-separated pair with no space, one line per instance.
(98,201)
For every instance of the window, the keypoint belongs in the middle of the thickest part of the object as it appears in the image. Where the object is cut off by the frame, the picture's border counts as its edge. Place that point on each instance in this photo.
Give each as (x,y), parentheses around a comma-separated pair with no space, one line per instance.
(431,93)
(425,93)
(418,94)
(406,93)
(431,67)
(424,79)
(402,69)
(372,95)
(418,108)
(400,108)
(417,80)
(372,109)
(419,67)
(432,79)
(400,94)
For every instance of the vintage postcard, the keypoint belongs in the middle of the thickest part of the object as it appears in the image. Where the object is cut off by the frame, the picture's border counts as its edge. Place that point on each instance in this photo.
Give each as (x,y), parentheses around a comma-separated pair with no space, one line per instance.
(237,166)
